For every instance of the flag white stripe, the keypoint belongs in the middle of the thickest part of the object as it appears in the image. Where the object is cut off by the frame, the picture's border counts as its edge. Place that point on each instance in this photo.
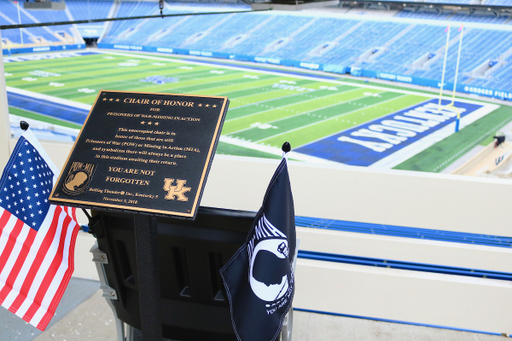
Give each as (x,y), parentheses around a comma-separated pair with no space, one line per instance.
(43,269)
(29,261)
(6,232)
(59,275)
(13,256)
(12,260)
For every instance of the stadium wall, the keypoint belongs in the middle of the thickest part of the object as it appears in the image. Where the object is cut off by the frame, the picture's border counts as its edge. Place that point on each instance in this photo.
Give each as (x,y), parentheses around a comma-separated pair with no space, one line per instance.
(7,52)
(358,72)
(443,297)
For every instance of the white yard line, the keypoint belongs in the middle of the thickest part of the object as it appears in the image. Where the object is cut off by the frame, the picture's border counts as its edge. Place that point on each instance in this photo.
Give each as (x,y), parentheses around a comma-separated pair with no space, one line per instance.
(273,150)
(49,98)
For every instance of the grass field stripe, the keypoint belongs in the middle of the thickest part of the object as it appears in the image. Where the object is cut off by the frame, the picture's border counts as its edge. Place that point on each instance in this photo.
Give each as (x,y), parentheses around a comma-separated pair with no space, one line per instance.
(79,69)
(410,99)
(177,60)
(236,80)
(243,103)
(230,91)
(324,115)
(275,104)
(72,88)
(93,80)
(348,98)
(127,73)
(240,94)
(72,73)
(285,101)
(474,143)
(491,131)
(41,117)
(233,64)
(330,119)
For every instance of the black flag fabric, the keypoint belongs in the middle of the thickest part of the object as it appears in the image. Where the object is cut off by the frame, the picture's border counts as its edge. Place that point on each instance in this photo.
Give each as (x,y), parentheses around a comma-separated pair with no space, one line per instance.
(259,278)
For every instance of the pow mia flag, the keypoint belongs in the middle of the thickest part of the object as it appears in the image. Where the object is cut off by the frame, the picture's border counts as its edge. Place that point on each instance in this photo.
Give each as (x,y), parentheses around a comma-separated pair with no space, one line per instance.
(259,278)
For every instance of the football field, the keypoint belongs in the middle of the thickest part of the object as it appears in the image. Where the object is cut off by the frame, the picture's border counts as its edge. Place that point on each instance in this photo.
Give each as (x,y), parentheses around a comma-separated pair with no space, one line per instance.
(326,119)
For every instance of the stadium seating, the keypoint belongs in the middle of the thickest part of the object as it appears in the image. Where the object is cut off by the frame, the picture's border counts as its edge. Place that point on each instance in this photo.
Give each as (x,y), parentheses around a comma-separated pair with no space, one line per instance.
(35,35)
(89,9)
(497,2)
(382,46)
(404,47)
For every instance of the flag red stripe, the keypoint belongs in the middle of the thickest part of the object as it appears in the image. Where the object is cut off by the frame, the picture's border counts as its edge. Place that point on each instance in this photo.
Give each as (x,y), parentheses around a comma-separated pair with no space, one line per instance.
(9,246)
(52,270)
(65,280)
(4,219)
(73,212)
(38,298)
(38,260)
(20,260)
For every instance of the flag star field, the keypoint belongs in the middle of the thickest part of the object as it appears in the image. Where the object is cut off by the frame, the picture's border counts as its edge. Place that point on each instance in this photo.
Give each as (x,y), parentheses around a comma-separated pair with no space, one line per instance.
(29,182)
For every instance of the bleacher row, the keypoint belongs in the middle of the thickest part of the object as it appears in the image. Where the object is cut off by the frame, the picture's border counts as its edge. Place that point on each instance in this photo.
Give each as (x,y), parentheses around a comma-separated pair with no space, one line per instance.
(414,49)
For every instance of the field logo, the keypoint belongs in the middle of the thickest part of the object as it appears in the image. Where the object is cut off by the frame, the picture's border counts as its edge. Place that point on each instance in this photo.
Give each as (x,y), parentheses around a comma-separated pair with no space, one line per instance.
(373,141)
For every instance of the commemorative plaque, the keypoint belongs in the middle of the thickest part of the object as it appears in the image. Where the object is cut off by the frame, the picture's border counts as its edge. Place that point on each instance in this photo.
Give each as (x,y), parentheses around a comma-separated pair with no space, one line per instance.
(143,152)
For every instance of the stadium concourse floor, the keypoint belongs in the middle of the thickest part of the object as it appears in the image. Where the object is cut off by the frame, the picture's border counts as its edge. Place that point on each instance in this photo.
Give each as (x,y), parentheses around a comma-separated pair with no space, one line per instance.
(83,314)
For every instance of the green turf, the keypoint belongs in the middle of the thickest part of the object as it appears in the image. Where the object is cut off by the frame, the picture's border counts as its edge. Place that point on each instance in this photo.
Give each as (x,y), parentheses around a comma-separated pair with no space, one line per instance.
(42,118)
(231,149)
(265,108)
(336,124)
(445,152)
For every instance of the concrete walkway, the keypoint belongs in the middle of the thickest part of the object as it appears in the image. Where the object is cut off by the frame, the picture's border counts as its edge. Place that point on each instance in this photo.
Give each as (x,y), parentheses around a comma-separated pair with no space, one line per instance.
(93,320)
(83,314)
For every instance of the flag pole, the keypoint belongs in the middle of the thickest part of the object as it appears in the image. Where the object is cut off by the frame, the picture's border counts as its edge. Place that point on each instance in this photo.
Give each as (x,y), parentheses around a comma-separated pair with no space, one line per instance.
(5,129)
(444,66)
(146,246)
(461,29)
(19,21)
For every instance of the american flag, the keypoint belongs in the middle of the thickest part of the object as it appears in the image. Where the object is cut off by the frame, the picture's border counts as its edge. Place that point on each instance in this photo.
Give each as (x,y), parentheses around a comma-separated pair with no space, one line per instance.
(37,239)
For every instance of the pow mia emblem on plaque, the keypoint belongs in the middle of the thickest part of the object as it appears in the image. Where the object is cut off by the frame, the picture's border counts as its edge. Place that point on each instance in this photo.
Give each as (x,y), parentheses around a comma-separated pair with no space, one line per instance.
(78,178)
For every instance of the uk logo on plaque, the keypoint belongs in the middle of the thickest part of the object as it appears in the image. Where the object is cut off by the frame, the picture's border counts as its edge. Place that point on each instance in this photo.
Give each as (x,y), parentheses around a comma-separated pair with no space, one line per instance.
(143,152)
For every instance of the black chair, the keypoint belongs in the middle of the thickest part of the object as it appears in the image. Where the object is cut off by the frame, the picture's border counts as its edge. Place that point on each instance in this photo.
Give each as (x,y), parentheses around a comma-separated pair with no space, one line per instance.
(191,253)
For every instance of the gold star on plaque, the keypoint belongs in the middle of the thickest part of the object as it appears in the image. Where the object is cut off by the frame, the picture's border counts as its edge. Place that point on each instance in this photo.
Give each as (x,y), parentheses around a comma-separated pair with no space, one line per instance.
(117,99)
(142,122)
(104,98)
(199,105)
(149,123)
(214,106)
(156,123)
(110,99)
(207,105)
